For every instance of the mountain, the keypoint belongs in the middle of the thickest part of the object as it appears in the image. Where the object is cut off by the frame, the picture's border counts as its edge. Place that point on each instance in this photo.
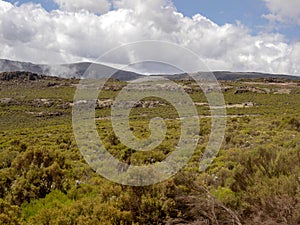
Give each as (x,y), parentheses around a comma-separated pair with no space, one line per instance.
(78,70)
(12,66)
(226,75)
(233,76)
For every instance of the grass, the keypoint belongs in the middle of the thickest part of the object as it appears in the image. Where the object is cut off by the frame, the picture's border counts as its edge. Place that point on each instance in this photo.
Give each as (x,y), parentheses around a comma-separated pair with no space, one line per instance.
(45,180)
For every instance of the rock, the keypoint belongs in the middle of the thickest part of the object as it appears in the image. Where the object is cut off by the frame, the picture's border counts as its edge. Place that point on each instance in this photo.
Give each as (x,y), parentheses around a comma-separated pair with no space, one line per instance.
(241,90)
(283,91)
(227,88)
(6,101)
(42,102)
(128,104)
(52,84)
(101,104)
(65,105)
(113,87)
(45,114)
(188,89)
(7,76)
(248,104)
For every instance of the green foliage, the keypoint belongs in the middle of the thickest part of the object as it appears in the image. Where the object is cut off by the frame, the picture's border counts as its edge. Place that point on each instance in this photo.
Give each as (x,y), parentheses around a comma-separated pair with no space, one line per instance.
(55,199)
(227,196)
(9,214)
(45,180)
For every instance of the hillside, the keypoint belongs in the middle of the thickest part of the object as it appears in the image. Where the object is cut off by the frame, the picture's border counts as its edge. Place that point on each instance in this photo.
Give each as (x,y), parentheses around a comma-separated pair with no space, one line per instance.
(44,179)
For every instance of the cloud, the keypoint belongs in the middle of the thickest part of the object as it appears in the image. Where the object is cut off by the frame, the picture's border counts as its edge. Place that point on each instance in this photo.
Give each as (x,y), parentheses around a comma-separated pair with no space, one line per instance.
(94,6)
(5,6)
(283,11)
(30,33)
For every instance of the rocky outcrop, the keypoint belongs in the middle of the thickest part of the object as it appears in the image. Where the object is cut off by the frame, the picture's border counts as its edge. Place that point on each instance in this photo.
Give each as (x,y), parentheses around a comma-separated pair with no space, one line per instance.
(45,114)
(6,101)
(242,90)
(101,104)
(42,103)
(113,87)
(283,91)
(8,76)
(129,104)
(227,88)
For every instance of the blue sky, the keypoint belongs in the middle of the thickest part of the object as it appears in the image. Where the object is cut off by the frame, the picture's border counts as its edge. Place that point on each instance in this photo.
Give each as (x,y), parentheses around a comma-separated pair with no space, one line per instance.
(248,12)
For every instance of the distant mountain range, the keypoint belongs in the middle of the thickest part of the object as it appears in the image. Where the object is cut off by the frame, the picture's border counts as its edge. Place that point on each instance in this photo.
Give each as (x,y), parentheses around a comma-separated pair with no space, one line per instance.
(78,70)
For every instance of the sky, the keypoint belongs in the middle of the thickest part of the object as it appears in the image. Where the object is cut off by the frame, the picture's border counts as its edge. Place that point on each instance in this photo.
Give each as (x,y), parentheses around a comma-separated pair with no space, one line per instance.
(235,35)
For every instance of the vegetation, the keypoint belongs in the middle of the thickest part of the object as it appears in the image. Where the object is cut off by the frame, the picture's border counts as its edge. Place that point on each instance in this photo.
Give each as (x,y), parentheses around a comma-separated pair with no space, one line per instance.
(254,180)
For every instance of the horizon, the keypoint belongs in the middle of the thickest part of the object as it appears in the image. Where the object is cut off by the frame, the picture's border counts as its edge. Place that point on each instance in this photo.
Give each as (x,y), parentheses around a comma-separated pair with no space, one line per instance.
(132,69)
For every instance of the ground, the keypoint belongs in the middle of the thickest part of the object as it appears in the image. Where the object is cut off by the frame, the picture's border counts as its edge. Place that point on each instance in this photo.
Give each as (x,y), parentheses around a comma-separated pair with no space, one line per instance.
(44,179)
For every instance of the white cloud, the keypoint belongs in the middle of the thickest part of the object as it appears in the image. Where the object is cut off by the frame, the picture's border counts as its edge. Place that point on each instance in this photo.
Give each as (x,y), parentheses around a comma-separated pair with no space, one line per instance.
(94,6)
(5,6)
(29,33)
(141,5)
(283,11)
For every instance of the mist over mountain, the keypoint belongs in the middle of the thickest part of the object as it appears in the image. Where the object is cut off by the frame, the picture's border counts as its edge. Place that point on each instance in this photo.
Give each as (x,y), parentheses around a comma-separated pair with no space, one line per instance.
(88,69)
(77,70)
